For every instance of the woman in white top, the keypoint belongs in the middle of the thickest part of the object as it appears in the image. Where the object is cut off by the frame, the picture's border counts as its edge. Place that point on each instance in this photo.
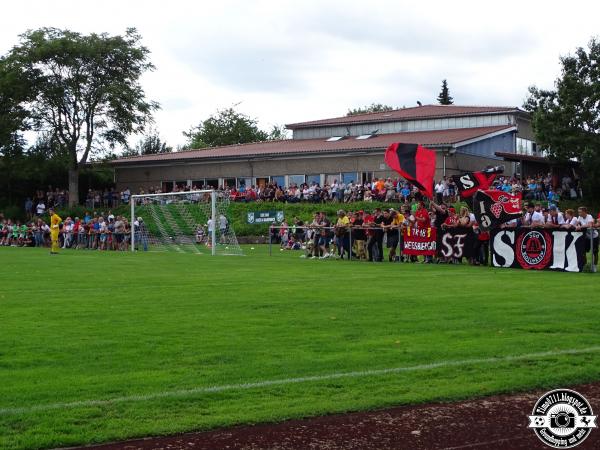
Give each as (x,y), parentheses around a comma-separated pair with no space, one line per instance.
(585,222)
(570,220)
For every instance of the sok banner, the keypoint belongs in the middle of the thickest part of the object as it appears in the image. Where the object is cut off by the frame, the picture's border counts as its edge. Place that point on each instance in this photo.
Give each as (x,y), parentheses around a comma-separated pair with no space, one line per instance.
(538,248)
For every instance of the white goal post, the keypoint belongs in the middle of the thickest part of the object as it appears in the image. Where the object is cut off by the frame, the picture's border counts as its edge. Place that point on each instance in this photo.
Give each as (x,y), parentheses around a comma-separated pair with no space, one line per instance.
(190,221)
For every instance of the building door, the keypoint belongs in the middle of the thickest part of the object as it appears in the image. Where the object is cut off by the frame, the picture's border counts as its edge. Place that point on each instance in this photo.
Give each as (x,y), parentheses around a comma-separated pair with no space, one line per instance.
(262,182)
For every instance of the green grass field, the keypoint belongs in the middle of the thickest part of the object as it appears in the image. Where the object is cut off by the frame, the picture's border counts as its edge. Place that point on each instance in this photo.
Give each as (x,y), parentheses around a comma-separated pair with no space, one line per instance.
(97,347)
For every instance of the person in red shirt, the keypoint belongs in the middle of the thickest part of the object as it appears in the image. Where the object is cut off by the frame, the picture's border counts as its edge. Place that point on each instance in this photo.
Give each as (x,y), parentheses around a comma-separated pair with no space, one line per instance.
(251,195)
(452,219)
(422,217)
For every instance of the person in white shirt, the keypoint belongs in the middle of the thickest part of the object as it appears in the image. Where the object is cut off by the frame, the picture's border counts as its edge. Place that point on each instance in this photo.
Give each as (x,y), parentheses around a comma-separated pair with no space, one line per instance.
(570,220)
(439,192)
(223,224)
(334,188)
(40,209)
(534,217)
(67,233)
(211,226)
(510,224)
(472,219)
(585,222)
(555,218)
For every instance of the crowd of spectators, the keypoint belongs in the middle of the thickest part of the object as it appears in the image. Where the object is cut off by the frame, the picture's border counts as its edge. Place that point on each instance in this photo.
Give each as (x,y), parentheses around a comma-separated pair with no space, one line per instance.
(364,234)
(97,231)
(541,187)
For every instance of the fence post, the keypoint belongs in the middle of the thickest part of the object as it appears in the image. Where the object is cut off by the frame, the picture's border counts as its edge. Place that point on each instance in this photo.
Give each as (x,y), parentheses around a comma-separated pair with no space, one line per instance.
(132,223)
(592,265)
(270,239)
(399,254)
(350,245)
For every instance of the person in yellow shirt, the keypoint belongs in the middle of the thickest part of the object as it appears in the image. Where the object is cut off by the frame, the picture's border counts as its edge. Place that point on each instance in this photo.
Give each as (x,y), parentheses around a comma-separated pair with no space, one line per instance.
(393,230)
(55,222)
(342,227)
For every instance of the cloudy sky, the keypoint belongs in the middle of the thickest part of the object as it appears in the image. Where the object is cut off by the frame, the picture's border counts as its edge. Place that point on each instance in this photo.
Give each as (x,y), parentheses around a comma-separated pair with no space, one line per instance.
(285,61)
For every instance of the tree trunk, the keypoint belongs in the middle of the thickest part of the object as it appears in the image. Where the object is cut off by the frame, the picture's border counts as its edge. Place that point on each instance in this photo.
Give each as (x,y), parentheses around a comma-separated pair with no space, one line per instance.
(73,185)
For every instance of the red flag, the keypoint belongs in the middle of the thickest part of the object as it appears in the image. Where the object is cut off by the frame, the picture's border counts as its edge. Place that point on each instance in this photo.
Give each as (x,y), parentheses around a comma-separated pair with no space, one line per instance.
(415,163)
(469,183)
(493,208)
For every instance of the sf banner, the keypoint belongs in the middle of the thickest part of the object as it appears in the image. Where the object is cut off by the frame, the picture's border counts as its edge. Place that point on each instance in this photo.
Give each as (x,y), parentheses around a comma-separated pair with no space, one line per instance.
(537,248)
(457,243)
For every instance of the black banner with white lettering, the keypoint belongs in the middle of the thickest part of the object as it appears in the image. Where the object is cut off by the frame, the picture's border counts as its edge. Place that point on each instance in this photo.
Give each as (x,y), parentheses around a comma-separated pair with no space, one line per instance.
(538,248)
(456,242)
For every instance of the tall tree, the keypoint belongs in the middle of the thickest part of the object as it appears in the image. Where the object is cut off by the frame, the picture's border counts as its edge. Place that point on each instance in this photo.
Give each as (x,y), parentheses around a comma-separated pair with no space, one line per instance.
(150,144)
(278,133)
(444,96)
(566,120)
(15,90)
(225,127)
(87,90)
(372,108)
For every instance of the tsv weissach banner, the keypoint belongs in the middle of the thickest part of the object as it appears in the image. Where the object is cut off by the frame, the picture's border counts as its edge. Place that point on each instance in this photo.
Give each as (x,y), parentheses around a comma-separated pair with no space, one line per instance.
(538,248)
(456,242)
(419,241)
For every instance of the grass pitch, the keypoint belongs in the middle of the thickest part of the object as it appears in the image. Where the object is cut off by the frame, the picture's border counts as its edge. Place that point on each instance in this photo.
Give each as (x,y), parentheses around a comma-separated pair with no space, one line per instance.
(104,346)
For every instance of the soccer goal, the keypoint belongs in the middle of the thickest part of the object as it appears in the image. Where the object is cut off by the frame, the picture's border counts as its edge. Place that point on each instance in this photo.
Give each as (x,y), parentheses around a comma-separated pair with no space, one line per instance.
(185,222)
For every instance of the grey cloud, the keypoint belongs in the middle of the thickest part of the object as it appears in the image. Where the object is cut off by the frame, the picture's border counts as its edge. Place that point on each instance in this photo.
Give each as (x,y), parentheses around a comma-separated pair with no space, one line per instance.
(255,63)
(418,36)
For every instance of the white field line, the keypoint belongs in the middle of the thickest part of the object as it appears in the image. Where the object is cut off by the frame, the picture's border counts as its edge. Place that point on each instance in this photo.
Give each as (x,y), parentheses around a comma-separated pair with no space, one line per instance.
(182,393)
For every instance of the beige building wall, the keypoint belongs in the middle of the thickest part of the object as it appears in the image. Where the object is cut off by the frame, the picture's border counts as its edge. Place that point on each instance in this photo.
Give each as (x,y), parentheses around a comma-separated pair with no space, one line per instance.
(525,130)
(147,176)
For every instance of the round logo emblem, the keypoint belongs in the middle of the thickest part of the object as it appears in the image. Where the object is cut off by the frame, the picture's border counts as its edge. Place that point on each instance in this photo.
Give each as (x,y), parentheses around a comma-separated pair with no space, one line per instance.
(562,418)
(534,249)
(250,217)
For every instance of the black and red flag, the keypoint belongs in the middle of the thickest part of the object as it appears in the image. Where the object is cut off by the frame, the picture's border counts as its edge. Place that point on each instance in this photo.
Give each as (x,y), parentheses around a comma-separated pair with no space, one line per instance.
(471,182)
(415,163)
(493,208)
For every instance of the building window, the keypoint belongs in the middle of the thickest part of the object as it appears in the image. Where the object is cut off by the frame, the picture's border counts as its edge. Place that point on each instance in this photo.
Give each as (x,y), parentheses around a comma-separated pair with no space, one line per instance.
(167,186)
(348,177)
(212,183)
(279,180)
(310,179)
(526,147)
(245,182)
(229,182)
(331,177)
(295,179)
(181,185)
(197,184)
(366,177)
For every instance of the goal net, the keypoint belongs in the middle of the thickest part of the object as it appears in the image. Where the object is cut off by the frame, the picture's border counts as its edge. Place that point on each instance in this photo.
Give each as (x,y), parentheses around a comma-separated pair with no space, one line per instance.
(185,222)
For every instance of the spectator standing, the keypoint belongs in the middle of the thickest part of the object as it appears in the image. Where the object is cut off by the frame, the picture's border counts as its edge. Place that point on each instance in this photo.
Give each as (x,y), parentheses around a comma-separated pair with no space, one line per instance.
(585,222)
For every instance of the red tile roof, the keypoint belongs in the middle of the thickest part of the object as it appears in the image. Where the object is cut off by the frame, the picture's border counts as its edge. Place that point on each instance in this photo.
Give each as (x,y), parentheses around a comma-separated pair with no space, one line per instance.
(303,146)
(418,112)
